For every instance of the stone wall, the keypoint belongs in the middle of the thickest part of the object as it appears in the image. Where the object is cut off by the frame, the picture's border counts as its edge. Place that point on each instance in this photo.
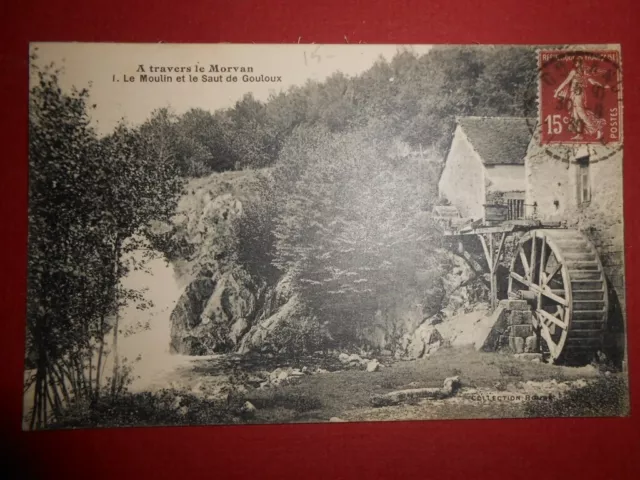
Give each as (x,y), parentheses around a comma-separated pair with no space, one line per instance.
(552,185)
(518,336)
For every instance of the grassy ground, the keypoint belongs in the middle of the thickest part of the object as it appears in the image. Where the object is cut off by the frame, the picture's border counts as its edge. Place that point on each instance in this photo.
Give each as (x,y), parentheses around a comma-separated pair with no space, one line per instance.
(346,394)
(494,385)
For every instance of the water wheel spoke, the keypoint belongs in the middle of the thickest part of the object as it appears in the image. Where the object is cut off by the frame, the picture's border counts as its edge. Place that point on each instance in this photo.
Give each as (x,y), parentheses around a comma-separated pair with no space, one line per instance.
(549,294)
(537,289)
(543,260)
(550,275)
(525,264)
(520,279)
(532,263)
(546,336)
(551,318)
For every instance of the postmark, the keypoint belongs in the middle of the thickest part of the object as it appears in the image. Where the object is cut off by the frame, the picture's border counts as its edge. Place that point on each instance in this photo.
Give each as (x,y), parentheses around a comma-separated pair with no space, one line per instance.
(579,97)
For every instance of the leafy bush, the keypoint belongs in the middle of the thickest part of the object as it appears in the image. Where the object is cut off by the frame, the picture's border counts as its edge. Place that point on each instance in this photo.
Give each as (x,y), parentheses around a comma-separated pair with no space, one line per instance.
(606,397)
(254,239)
(303,336)
(165,407)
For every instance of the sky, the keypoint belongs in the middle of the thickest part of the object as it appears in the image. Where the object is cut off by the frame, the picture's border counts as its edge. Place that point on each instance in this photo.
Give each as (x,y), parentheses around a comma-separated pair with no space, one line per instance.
(103,66)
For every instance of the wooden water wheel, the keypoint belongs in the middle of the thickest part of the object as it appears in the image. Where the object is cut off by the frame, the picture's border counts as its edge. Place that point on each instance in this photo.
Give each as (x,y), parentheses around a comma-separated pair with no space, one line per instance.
(560,274)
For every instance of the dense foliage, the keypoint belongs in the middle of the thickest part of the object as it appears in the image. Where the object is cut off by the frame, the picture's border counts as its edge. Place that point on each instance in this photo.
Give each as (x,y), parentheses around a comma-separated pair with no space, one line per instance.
(351,221)
(608,396)
(415,97)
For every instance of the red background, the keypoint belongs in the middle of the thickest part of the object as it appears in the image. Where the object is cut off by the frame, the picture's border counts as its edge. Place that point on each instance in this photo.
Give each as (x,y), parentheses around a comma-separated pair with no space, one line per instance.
(551,448)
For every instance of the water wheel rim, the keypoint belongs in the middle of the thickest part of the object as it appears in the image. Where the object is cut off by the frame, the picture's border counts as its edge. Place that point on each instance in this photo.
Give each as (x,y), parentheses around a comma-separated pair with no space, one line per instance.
(583,279)
(554,327)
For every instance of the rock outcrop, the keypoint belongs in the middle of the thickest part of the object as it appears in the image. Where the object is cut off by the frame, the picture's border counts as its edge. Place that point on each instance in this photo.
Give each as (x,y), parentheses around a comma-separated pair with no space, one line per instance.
(213,314)
(263,335)
(186,315)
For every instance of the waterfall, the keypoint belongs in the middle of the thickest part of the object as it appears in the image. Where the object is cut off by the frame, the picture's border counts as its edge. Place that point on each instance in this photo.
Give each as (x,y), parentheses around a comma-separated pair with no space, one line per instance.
(147,349)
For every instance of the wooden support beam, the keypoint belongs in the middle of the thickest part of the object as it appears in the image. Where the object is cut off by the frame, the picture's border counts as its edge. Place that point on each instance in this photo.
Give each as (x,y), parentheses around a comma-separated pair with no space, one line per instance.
(494,280)
(543,260)
(486,250)
(499,252)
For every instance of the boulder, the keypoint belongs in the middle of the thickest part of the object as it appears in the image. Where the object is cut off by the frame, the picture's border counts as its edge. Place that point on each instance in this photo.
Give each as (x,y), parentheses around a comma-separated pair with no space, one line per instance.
(187,314)
(248,409)
(490,328)
(464,329)
(373,366)
(177,402)
(529,357)
(182,411)
(263,335)
(531,344)
(451,385)
(355,358)
(213,314)
(279,375)
(424,340)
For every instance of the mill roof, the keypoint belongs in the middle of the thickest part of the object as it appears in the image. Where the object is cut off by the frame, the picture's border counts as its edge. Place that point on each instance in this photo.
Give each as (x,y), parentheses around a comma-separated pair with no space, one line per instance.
(498,140)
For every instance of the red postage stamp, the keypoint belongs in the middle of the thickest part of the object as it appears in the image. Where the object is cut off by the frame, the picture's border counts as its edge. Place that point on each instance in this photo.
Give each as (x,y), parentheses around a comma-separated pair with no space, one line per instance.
(580,96)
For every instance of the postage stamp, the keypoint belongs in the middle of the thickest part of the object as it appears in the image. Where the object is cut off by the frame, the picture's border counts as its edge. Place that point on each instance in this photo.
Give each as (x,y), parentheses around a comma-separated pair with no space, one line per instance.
(580,96)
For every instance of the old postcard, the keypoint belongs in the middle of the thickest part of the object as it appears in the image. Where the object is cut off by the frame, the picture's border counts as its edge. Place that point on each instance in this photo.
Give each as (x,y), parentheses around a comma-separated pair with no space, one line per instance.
(236,234)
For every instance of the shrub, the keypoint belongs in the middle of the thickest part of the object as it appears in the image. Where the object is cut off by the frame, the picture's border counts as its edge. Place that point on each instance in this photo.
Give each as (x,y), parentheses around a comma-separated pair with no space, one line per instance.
(165,407)
(303,336)
(606,397)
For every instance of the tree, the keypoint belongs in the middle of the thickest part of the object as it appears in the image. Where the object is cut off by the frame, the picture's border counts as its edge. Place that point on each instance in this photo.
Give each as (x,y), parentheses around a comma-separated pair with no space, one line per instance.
(254,139)
(143,186)
(352,224)
(91,200)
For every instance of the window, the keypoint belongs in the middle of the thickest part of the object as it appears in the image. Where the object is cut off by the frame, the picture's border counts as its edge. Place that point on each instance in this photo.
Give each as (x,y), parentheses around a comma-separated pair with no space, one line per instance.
(516,208)
(583,181)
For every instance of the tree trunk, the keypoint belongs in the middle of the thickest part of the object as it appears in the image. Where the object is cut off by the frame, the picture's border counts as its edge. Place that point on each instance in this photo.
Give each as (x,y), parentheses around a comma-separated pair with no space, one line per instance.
(100,354)
(39,400)
(116,358)
(34,408)
(63,388)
